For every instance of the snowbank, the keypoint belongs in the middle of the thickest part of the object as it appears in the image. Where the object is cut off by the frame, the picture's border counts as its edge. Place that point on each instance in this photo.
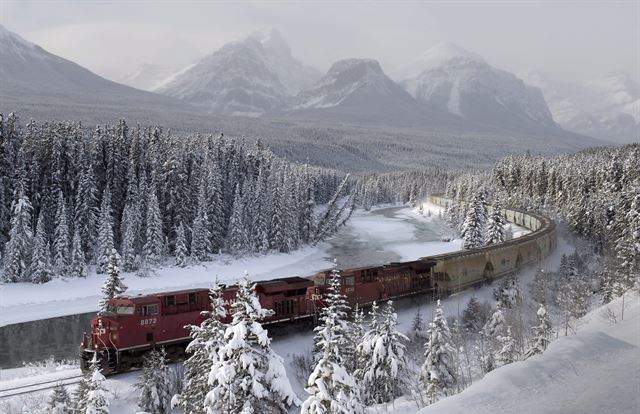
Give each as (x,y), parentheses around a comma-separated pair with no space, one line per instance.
(595,371)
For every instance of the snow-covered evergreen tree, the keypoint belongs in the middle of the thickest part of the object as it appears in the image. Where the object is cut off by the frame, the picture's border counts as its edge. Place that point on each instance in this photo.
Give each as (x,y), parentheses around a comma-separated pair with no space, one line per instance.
(539,287)
(508,351)
(200,237)
(353,337)
(80,394)
(154,242)
(130,230)
(59,401)
(78,265)
(105,243)
(207,339)
(439,374)
(495,326)
(61,238)
(181,247)
(418,327)
(40,269)
(541,333)
(508,293)
(331,389)
(18,249)
(384,370)
(85,220)
(113,286)
(247,376)
(153,383)
(495,226)
(473,228)
(96,397)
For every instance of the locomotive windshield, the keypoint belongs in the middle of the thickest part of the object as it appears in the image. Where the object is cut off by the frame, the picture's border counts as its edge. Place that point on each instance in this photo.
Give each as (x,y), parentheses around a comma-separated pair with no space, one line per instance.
(318,280)
(121,309)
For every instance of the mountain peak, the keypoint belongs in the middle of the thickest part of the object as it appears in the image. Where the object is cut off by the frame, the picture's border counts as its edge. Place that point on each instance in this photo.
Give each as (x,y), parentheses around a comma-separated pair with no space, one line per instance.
(446,51)
(362,65)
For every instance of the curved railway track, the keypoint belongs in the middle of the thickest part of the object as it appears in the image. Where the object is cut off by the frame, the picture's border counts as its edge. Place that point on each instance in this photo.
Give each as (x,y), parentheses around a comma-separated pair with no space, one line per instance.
(37,386)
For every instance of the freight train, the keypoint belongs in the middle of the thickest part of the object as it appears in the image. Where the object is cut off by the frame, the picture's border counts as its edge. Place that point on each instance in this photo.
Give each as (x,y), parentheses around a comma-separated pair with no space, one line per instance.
(135,324)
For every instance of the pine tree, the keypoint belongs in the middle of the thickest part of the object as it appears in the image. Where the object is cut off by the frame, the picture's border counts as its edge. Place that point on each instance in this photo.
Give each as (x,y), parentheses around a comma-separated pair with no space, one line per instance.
(207,339)
(18,248)
(40,268)
(181,247)
(473,227)
(474,316)
(355,333)
(130,228)
(439,374)
(200,237)
(85,220)
(61,238)
(96,397)
(541,333)
(247,376)
(331,389)
(508,350)
(383,372)
(539,287)
(105,243)
(237,238)
(508,293)
(495,226)
(79,397)
(59,401)
(113,286)
(417,324)
(154,245)
(153,384)
(78,266)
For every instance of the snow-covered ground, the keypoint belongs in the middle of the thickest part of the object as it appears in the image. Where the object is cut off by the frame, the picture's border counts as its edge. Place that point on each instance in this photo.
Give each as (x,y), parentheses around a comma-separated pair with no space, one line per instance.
(394,234)
(596,371)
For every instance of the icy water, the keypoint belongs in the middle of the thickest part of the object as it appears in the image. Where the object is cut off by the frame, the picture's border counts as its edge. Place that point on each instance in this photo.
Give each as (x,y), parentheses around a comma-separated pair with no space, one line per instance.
(369,239)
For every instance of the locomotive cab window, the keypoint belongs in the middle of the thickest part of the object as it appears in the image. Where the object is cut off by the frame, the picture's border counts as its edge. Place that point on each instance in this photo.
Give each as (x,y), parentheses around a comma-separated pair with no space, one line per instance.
(124,309)
(192,298)
(170,301)
(150,309)
(350,281)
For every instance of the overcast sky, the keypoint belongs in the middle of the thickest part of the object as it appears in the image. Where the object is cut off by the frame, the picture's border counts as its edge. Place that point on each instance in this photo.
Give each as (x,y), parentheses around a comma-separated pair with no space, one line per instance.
(567,40)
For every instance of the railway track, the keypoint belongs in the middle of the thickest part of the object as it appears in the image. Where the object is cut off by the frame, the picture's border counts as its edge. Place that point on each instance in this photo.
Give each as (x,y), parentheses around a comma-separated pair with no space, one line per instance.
(37,386)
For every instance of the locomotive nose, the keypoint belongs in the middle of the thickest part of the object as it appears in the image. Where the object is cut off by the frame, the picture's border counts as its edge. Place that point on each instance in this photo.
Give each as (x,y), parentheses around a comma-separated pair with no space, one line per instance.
(105,332)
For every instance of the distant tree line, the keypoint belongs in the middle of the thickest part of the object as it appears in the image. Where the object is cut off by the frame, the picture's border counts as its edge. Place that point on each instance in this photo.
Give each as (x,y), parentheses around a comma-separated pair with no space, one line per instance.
(70,195)
(401,186)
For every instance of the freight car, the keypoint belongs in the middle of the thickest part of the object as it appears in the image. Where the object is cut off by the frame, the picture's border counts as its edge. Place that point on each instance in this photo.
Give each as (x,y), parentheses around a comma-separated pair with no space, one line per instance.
(458,270)
(135,324)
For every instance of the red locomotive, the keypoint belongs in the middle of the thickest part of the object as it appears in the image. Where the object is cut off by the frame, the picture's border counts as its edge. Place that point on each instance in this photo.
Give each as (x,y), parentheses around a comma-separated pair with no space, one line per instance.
(135,324)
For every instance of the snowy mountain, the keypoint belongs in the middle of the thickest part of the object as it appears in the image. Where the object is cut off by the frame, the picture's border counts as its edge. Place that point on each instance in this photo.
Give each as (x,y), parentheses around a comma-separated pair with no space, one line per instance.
(248,77)
(32,77)
(147,76)
(358,90)
(452,79)
(607,108)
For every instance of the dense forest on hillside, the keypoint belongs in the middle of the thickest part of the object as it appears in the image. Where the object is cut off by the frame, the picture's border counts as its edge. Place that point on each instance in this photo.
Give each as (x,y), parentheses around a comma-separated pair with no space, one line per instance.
(70,194)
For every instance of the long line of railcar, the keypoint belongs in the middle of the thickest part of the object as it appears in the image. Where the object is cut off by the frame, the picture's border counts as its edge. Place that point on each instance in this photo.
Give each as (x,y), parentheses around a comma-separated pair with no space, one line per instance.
(135,324)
